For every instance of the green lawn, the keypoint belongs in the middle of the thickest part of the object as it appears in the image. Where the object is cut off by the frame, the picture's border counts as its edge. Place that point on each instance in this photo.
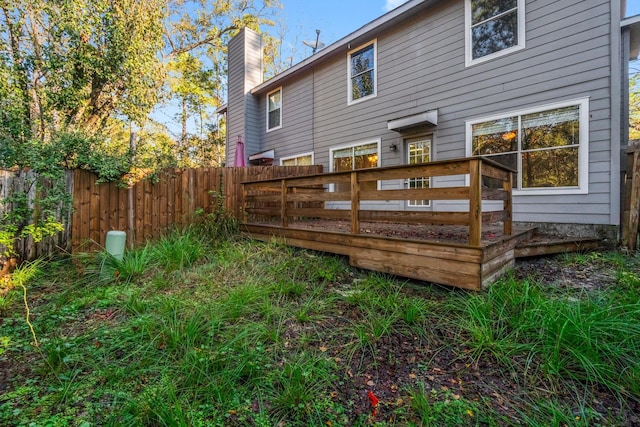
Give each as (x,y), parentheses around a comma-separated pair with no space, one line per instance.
(205,328)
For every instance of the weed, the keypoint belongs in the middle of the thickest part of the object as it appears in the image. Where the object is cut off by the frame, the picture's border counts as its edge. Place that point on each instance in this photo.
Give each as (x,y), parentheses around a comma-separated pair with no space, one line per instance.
(435,408)
(178,250)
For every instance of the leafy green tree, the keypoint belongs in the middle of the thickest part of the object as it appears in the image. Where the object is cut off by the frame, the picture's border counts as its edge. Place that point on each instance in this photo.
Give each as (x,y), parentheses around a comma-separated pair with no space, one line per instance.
(634,106)
(76,64)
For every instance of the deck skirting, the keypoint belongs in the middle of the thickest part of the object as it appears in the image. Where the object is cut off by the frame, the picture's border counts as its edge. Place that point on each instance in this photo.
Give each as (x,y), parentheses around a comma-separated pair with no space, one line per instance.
(458,265)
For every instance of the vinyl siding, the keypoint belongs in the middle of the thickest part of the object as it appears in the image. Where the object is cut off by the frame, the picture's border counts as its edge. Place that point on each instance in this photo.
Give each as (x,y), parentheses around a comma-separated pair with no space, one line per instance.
(421,66)
(245,71)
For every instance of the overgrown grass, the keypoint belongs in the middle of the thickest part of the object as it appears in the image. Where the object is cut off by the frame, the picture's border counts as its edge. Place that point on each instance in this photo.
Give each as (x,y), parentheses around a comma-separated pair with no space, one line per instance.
(205,328)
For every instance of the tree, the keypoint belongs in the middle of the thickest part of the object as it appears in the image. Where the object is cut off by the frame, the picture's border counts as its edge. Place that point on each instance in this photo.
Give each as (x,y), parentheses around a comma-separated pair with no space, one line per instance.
(634,106)
(76,64)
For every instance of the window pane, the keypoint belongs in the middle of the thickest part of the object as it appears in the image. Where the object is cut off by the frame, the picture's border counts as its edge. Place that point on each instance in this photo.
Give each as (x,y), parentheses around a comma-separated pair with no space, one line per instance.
(274,101)
(495,35)
(304,161)
(554,128)
(482,10)
(289,162)
(497,136)
(274,119)
(550,168)
(362,60)
(362,85)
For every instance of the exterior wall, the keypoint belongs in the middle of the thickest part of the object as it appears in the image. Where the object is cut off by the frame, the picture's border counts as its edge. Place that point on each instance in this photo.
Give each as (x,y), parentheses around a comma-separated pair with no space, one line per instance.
(421,66)
(245,72)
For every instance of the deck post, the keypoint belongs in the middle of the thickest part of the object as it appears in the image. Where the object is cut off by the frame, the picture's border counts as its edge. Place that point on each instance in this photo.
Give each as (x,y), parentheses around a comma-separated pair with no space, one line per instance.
(475,202)
(284,221)
(507,186)
(355,203)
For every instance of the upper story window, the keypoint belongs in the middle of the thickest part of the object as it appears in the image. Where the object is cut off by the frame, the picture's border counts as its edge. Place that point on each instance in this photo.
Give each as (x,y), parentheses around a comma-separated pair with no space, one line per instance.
(494,28)
(274,109)
(547,146)
(299,160)
(362,73)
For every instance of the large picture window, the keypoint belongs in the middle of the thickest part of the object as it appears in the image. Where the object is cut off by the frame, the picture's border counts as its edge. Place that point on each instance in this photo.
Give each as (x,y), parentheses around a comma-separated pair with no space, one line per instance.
(355,157)
(274,110)
(362,72)
(548,147)
(494,28)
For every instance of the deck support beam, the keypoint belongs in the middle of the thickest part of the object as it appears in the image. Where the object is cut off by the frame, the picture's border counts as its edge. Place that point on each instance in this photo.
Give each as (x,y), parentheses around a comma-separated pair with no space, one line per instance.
(475,202)
(355,203)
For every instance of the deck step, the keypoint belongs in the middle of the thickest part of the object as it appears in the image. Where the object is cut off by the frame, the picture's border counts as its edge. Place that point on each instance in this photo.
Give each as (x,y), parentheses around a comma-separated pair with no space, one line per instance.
(545,244)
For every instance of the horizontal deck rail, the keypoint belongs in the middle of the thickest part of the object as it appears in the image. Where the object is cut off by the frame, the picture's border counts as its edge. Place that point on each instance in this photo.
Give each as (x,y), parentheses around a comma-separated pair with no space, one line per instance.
(340,195)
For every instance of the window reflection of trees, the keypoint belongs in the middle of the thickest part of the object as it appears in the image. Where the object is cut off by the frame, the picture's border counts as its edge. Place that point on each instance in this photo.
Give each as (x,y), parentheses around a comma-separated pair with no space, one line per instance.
(494,26)
(359,157)
(362,73)
(549,142)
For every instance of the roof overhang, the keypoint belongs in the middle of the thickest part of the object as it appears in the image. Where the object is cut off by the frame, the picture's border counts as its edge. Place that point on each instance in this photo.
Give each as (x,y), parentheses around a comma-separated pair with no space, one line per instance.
(261,158)
(427,118)
(633,23)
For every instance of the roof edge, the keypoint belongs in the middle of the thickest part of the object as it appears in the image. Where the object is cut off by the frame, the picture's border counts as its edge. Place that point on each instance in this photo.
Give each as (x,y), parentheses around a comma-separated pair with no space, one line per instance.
(337,46)
(633,23)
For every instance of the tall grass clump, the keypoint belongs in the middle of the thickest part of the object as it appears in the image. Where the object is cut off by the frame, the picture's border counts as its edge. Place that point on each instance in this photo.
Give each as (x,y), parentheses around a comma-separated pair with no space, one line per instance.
(584,337)
(179,249)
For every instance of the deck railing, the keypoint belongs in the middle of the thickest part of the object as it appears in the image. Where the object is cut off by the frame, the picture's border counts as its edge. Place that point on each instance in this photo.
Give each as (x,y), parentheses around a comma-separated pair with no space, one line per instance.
(324,195)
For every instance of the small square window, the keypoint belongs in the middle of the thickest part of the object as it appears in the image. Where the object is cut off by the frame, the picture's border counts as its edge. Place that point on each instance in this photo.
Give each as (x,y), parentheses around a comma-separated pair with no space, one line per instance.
(274,110)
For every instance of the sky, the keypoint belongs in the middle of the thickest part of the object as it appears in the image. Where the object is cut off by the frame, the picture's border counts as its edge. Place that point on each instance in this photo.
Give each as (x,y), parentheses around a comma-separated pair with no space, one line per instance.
(338,18)
(335,19)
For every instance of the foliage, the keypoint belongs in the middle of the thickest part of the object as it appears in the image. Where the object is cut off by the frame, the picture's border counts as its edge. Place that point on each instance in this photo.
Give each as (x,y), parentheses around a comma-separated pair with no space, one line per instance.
(246,333)
(634,106)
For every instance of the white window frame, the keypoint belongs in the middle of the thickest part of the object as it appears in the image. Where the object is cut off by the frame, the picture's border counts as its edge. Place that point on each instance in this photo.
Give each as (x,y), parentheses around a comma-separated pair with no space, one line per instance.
(410,141)
(342,147)
(297,156)
(267,108)
(583,148)
(469,61)
(350,100)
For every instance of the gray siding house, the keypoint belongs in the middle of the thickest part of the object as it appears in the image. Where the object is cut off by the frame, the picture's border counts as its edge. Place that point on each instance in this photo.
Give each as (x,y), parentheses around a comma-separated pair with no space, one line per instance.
(539,85)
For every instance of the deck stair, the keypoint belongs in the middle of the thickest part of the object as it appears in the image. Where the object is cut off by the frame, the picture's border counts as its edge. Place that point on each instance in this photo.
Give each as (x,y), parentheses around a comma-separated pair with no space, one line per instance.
(540,244)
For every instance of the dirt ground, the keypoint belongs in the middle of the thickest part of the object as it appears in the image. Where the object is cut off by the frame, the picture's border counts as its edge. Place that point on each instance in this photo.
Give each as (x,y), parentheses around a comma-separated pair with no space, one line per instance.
(444,369)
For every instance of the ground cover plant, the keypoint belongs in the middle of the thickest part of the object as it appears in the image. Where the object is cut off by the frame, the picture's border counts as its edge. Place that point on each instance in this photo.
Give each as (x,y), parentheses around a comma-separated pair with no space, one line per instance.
(207,328)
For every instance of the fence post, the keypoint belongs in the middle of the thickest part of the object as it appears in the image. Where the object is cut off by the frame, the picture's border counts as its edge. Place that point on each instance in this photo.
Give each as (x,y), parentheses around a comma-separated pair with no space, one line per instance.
(507,186)
(284,221)
(475,202)
(355,203)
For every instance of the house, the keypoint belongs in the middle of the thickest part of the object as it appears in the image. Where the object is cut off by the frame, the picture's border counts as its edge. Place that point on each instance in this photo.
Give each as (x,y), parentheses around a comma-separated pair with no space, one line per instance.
(538,85)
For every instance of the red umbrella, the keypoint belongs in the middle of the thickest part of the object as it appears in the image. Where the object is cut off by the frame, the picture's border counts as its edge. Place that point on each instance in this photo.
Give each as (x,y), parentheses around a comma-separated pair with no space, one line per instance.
(239,160)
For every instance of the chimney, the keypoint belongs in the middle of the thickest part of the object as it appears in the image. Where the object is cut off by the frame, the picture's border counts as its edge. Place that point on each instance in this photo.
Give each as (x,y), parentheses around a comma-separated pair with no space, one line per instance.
(244,72)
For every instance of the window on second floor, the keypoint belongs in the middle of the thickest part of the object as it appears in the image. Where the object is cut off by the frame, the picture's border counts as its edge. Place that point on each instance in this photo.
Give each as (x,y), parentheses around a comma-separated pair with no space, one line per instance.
(274,110)
(494,28)
(362,73)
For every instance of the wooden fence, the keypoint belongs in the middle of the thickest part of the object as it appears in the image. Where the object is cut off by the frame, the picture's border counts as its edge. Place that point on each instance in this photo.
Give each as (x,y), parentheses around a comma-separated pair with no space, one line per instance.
(631,198)
(148,209)
(143,211)
(18,182)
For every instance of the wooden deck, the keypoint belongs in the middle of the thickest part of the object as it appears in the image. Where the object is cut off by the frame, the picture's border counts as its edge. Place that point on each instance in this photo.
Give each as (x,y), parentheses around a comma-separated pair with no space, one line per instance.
(467,249)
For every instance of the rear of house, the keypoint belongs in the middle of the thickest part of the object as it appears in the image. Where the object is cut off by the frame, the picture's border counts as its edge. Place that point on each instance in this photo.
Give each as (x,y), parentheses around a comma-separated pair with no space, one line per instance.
(537,85)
